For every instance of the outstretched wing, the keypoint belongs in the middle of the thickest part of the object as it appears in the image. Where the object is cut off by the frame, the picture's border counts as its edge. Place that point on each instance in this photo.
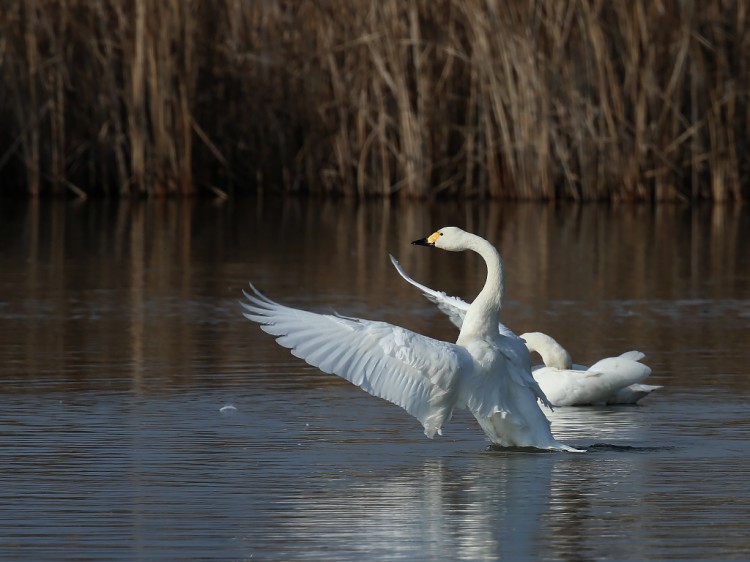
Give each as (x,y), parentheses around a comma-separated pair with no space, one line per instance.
(454,307)
(417,373)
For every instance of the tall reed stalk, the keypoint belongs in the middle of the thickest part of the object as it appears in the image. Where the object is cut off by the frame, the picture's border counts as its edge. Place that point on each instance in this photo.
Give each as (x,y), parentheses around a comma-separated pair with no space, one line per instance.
(583,100)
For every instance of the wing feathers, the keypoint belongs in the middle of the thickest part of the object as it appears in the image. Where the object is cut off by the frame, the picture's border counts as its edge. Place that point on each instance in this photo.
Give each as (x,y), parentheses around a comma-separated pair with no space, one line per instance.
(415,372)
(633,355)
(453,307)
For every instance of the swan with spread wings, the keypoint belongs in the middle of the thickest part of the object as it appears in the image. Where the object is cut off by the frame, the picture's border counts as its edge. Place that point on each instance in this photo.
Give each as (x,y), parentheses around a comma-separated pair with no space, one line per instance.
(485,371)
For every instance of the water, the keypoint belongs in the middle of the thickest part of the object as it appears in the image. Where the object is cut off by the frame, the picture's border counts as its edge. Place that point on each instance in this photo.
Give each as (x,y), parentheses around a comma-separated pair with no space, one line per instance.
(143,418)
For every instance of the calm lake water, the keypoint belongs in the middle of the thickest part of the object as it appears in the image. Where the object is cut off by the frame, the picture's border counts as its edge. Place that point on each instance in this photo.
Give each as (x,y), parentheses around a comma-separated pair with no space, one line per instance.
(144,418)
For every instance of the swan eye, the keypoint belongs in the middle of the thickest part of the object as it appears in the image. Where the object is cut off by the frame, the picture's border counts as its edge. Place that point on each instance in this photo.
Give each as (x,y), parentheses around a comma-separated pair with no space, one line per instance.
(434,236)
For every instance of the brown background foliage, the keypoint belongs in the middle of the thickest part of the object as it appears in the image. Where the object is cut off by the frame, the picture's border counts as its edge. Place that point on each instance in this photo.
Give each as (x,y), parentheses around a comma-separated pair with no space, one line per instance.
(587,99)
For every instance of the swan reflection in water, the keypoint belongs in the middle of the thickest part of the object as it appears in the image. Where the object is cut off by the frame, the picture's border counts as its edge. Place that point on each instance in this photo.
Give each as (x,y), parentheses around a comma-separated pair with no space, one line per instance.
(621,426)
(486,506)
(491,505)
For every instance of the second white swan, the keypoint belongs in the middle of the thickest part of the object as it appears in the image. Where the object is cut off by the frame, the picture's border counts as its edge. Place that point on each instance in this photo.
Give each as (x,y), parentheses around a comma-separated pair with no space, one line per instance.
(614,380)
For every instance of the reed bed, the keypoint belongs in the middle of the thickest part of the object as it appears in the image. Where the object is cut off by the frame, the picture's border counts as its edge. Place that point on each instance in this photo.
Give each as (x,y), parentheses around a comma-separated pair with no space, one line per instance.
(584,100)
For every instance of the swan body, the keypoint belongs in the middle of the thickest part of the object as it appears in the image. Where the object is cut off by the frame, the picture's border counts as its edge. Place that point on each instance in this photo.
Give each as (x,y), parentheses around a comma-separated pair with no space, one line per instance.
(486,371)
(614,380)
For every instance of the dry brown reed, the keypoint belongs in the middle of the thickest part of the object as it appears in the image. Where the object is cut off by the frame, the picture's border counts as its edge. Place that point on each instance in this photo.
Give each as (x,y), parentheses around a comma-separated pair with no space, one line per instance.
(586,100)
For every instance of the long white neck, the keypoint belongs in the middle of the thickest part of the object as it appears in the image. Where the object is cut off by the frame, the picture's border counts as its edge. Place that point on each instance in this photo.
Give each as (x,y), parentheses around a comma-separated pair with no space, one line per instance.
(484,313)
(553,354)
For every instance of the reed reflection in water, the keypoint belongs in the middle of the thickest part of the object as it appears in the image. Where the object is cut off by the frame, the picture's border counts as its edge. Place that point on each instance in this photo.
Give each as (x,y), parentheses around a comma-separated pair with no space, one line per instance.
(122,340)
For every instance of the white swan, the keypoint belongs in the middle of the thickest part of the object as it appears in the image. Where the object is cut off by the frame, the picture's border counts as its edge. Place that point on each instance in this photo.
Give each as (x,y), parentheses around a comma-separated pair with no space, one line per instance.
(485,371)
(615,380)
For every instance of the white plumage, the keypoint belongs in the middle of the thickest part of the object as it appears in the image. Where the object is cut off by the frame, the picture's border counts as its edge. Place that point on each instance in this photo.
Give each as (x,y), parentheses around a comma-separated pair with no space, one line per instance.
(485,371)
(614,380)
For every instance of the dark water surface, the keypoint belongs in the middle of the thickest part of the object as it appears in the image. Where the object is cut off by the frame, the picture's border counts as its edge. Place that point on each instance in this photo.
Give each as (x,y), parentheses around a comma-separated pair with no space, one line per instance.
(143,418)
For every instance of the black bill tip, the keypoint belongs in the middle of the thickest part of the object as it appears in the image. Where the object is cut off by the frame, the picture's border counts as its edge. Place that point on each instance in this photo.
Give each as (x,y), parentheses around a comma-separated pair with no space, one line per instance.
(421,242)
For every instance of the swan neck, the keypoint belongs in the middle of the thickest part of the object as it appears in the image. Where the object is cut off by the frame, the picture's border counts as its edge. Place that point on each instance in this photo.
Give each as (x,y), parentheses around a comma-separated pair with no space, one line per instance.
(553,354)
(484,313)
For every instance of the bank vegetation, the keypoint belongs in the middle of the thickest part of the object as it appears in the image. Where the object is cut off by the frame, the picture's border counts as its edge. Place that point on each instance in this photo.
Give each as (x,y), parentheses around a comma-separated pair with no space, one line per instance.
(524,99)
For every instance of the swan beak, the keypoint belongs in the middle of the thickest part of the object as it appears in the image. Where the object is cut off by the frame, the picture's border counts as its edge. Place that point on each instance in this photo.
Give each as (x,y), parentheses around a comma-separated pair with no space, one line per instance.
(429,241)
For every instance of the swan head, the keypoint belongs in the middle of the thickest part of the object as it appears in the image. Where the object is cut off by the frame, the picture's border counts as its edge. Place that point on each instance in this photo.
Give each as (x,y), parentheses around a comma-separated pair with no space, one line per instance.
(553,354)
(449,238)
